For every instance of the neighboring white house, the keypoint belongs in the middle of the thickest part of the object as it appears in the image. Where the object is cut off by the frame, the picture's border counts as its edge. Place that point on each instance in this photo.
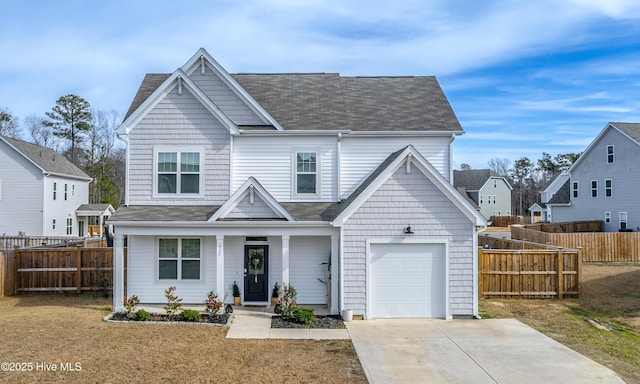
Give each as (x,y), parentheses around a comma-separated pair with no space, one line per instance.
(295,178)
(40,191)
(542,212)
(603,183)
(490,192)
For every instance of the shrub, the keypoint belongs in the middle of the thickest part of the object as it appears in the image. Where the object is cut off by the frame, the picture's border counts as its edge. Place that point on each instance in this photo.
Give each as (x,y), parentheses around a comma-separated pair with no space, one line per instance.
(275,293)
(143,315)
(213,305)
(304,315)
(130,305)
(287,301)
(190,315)
(236,290)
(173,302)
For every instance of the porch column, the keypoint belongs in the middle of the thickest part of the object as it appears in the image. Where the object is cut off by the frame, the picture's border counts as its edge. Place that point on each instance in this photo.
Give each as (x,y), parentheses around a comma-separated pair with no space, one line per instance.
(220,266)
(118,272)
(335,273)
(285,259)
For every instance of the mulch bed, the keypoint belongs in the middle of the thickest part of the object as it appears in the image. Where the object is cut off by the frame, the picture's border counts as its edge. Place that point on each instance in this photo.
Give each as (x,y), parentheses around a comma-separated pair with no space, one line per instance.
(156,317)
(326,322)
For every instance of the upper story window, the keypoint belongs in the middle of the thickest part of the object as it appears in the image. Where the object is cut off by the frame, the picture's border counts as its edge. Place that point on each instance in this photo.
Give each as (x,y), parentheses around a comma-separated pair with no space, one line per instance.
(574,188)
(55,187)
(594,188)
(608,188)
(65,191)
(178,173)
(306,179)
(610,154)
(607,217)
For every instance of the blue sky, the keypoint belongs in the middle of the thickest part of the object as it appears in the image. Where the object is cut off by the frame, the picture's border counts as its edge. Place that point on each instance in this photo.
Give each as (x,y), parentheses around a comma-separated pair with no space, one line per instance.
(522,76)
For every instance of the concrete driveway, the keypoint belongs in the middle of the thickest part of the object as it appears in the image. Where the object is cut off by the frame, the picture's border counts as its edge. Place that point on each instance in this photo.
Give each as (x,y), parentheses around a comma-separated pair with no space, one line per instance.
(463,351)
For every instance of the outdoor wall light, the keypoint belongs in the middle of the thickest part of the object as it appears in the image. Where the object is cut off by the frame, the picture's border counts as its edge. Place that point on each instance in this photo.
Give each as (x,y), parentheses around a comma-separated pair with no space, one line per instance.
(408,231)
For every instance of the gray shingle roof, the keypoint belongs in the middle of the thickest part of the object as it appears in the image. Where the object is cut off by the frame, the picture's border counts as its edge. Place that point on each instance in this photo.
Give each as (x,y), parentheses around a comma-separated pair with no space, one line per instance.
(328,101)
(47,159)
(563,195)
(630,129)
(472,180)
(164,213)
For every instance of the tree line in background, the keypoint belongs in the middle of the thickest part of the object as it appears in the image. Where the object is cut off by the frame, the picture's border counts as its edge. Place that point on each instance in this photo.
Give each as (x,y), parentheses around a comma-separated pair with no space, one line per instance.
(527,178)
(84,136)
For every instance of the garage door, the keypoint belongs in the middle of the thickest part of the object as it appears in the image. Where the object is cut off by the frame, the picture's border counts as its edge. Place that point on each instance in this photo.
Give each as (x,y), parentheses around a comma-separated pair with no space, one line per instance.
(407,280)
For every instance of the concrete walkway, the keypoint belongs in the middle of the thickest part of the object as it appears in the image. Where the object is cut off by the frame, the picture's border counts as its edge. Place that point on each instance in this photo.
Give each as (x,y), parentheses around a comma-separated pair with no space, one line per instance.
(462,351)
(255,323)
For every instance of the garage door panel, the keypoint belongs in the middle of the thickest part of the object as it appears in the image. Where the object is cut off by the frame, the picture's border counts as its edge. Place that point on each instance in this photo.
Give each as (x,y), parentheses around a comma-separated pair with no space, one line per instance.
(407,280)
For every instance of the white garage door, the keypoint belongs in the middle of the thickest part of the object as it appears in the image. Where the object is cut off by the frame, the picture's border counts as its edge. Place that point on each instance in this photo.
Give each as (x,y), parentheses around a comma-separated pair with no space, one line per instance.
(407,280)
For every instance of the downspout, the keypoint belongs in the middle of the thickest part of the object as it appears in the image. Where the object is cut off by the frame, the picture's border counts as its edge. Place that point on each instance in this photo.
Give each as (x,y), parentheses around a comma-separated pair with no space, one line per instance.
(338,165)
(451,159)
(125,139)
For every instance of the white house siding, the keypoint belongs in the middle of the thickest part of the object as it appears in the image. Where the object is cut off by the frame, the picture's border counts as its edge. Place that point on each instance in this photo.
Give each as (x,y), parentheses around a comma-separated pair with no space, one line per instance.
(256,210)
(624,174)
(61,209)
(500,205)
(179,120)
(142,272)
(271,160)
(409,199)
(306,257)
(21,201)
(360,156)
(224,97)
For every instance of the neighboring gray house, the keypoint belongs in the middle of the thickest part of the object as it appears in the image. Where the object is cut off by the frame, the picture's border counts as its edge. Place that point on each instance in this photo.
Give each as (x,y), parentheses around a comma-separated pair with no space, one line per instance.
(40,191)
(541,212)
(294,178)
(604,182)
(490,192)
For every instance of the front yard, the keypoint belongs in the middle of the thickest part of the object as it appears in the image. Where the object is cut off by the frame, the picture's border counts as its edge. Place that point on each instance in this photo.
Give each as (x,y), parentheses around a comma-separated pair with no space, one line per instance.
(604,324)
(67,332)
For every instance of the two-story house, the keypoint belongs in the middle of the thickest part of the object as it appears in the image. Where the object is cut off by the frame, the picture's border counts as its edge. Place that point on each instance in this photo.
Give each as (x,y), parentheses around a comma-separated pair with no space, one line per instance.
(40,191)
(337,185)
(490,192)
(603,183)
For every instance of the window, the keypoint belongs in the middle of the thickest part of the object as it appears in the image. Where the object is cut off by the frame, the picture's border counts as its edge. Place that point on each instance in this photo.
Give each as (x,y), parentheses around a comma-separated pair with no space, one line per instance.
(306,173)
(73,190)
(607,217)
(179,259)
(53,226)
(494,199)
(608,188)
(65,192)
(610,154)
(594,188)
(480,199)
(495,183)
(622,216)
(178,173)
(55,186)
(69,226)
(574,187)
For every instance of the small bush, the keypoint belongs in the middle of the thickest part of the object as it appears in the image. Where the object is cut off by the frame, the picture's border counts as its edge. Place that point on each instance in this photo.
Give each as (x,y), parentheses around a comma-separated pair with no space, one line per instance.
(304,315)
(190,315)
(130,305)
(287,300)
(173,302)
(143,315)
(213,305)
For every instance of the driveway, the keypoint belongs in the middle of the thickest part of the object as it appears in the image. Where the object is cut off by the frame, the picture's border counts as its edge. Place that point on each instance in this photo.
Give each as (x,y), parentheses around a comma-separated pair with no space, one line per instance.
(462,351)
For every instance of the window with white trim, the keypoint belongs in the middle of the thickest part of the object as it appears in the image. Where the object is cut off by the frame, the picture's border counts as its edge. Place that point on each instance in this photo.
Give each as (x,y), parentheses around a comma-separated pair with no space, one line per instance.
(53,224)
(594,188)
(179,259)
(494,199)
(607,217)
(55,187)
(608,188)
(306,180)
(480,199)
(622,218)
(178,173)
(65,192)
(574,188)
(610,154)
(69,226)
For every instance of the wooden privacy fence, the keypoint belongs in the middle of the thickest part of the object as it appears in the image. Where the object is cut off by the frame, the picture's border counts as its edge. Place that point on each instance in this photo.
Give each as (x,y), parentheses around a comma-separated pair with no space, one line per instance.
(6,274)
(505,221)
(73,269)
(596,246)
(8,243)
(568,227)
(529,273)
(491,242)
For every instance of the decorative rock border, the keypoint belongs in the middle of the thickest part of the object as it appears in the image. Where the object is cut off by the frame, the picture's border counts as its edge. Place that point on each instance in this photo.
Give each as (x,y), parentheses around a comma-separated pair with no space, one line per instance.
(108,319)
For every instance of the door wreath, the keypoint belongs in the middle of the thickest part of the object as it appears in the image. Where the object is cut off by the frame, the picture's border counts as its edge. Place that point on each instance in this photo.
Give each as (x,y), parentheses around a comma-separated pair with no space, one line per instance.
(256,262)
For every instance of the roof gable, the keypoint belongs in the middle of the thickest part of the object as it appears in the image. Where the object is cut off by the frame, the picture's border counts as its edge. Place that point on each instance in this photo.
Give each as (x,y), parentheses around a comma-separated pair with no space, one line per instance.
(475,179)
(629,130)
(406,156)
(47,160)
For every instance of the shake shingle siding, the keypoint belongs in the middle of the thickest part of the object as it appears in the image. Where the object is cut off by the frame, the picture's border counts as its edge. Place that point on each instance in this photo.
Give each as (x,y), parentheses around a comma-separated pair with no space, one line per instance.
(179,120)
(402,200)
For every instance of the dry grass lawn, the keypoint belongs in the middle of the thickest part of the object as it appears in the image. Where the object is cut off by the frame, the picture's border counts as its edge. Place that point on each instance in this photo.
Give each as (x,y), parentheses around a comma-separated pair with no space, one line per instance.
(56,329)
(611,299)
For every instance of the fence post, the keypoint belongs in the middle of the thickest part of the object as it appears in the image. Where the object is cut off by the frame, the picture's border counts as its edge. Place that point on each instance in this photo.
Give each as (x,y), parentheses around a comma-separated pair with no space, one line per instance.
(79,269)
(579,271)
(16,262)
(480,269)
(560,273)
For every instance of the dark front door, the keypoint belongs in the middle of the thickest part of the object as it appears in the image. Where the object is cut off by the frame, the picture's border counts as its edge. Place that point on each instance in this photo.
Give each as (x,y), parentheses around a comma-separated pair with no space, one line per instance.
(256,263)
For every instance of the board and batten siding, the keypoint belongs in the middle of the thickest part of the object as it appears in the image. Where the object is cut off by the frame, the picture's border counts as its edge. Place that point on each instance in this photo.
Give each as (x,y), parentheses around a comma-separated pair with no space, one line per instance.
(409,199)
(624,174)
(21,203)
(142,272)
(271,161)
(222,96)
(179,120)
(308,256)
(361,155)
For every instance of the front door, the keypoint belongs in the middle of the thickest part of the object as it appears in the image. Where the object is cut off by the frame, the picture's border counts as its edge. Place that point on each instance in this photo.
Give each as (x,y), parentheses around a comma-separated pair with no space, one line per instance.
(256,262)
